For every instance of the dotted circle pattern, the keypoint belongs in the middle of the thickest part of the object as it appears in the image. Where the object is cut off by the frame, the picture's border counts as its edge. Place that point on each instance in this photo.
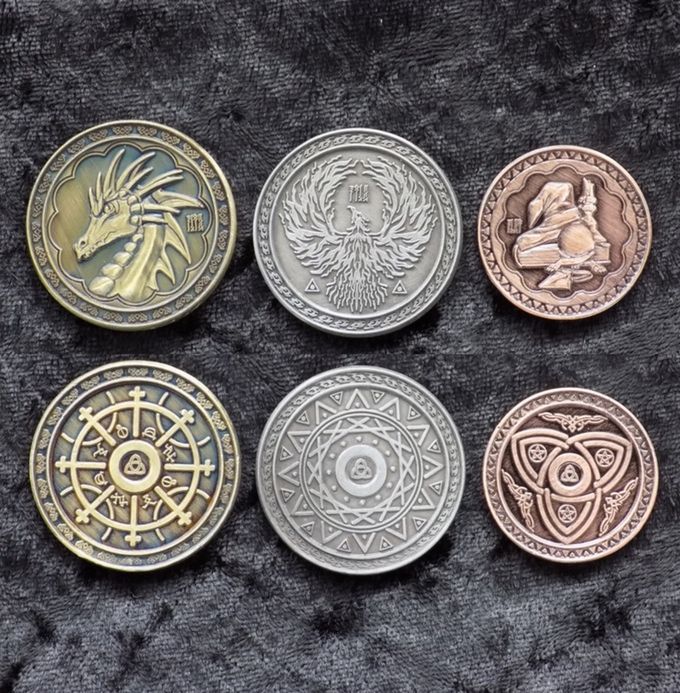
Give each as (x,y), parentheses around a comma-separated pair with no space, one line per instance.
(360,376)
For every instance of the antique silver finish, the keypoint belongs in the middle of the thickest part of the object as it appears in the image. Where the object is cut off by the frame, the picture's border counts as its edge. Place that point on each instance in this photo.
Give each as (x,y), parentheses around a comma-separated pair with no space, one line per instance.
(360,470)
(357,232)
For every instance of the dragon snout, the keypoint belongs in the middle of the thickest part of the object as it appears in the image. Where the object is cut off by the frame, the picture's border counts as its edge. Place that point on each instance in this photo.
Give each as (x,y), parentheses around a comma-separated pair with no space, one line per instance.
(82,249)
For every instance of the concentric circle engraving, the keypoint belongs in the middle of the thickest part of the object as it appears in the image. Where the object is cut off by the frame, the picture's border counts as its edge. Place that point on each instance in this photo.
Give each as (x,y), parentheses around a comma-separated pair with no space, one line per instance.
(589,494)
(357,232)
(360,470)
(564,232)
(134,465)
(131,225)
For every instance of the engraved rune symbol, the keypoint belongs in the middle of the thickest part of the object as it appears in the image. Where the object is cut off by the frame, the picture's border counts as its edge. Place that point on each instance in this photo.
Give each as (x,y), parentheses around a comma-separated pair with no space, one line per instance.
(513,226)
(362,257)
(195,223)
(358,193)
(100,451)
(148,501)
(170,453)
(150,433)
(119,499)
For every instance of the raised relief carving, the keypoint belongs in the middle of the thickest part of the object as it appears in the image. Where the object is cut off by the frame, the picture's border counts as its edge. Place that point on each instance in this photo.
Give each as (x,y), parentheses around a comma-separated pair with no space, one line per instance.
(563,237)
(360,259)
(573,484)
(133,205)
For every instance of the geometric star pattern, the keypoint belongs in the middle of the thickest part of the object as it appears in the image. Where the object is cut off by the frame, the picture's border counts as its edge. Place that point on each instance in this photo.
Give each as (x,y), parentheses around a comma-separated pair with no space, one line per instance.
(360,471)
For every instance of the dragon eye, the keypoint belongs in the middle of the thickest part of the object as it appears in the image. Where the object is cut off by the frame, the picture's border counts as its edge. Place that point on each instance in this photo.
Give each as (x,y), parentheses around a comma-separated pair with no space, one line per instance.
(108,208)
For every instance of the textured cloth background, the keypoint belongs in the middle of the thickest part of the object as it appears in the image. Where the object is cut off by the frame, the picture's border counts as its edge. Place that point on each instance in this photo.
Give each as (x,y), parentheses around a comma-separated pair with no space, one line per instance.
(474,85)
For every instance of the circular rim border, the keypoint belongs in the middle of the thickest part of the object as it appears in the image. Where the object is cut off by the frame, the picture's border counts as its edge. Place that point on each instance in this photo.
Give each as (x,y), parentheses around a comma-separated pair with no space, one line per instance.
(353,570)
(495,276)
(506,525)
(177,314)
(71,546)
(425,307)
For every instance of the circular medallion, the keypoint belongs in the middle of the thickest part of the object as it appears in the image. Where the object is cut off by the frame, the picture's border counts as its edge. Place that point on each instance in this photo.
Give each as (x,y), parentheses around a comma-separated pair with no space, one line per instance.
(131,225)
(570,475)
(564,232)
(134,465)
(360,470)
(357,232)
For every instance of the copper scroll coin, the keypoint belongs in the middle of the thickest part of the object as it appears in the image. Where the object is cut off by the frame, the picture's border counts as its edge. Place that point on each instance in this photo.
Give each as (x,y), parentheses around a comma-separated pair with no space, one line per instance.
(570,475)
(564,232)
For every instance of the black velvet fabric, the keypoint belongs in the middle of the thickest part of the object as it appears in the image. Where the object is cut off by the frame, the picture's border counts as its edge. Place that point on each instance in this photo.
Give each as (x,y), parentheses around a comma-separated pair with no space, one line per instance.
(475,84)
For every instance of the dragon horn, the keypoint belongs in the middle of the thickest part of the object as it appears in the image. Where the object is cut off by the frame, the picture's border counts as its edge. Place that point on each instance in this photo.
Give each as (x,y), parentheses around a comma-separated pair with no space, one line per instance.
(164,179)
(98,188)
(108,178)
(93,203)
(153,207)
(151,219)
(134,179)
(131,170)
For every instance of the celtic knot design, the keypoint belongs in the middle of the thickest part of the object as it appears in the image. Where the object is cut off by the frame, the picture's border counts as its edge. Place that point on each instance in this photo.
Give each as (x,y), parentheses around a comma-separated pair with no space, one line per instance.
(576,503)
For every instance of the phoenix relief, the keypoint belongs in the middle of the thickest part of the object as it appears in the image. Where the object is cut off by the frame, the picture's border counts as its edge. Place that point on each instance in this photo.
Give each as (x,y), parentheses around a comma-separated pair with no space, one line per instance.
(135,205)
(359,259)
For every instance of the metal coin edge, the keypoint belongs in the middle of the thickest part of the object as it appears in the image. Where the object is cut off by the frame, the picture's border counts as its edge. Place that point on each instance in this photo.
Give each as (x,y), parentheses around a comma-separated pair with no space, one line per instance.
(72,546)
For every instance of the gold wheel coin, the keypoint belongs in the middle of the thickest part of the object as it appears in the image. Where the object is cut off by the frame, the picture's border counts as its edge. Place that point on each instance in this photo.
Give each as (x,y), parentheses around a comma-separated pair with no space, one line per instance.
(131,225)
(134,465)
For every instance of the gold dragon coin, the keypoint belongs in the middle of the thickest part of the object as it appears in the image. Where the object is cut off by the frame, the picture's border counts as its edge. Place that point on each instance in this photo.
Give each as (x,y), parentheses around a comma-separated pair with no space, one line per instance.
(135,465)
(131,225)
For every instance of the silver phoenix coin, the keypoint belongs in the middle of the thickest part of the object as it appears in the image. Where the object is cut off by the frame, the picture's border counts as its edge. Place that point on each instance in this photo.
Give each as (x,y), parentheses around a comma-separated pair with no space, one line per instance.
(360,470)
(357,232)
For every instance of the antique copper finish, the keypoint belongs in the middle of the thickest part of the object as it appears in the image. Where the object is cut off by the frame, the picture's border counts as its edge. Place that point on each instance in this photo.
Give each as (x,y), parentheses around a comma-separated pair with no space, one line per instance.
(570,475)
(564,232)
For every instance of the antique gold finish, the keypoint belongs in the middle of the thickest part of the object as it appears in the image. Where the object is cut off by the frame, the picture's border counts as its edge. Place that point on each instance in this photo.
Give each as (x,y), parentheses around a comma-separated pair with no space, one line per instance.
(131,225)
(134,465)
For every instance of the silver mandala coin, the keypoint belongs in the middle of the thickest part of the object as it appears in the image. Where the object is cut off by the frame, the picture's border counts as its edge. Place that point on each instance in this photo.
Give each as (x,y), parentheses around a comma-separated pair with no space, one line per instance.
(357,232)
(360,470)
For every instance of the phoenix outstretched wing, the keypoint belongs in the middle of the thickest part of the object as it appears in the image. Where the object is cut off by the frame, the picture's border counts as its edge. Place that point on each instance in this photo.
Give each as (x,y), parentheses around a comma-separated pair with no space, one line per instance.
(307,213)
(409,216)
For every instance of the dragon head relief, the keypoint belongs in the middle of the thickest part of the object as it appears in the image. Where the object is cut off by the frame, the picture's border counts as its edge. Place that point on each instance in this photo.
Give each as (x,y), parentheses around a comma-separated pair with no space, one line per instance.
(133,205)
(359,259)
